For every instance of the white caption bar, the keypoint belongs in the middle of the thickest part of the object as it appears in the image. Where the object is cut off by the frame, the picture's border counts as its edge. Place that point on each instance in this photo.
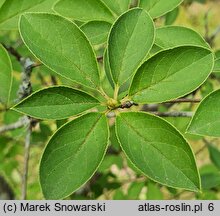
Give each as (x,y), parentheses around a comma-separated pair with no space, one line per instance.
(110,208)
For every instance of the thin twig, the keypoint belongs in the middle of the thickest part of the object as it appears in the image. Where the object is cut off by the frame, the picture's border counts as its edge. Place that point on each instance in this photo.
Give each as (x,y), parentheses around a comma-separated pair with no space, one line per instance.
(43,81)
(26,162)
(53,80)
(173,114)
(25,88)
(201,149)
(23,121)
(206,25)
(184,100)
(150,107)
(162,114)
(13,52)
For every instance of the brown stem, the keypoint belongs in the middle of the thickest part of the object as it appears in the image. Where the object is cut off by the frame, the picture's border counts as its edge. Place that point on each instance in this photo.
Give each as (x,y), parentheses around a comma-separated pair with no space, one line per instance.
(13,52)
(53,80)
(43,81)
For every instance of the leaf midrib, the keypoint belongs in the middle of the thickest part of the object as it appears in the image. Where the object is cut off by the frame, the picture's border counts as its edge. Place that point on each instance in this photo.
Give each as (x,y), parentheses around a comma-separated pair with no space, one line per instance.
(58,105)
(123,61)
(83,73)
(167,77)
(143,138)
(78,150)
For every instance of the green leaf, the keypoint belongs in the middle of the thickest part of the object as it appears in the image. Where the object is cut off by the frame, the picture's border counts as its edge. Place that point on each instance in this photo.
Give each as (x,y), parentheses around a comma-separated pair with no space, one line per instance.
(171,74)
(13,7)
(96,31)
(130,40)
(214,155)
(155,49)
(11,117)
(171,16)
(84,10)
(158,150)
(153,191)
(73,154)
(210,180)
(208,168)
(124,88)
(207,87)
(61,46)
(181,124)
(217,54)
(119,195)
(216,68)
(157,8)
(134,190)
(206,120)
(41,136)
(108,69)
(5,76)
(117,6)
(208,195)
(110,160)
(56,103)
(61,122)
(174,36)
(114,140)
(10,11)
(14,88)
(2,2)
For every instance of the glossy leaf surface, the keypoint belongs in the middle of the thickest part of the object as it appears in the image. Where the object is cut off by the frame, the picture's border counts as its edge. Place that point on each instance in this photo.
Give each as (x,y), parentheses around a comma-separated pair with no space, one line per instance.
(12,9)
(5,76)
(216,68)
(171,74)
(206,120)
(96,31)
(174,36)
(214,154)
(130,40)
(61,46)
(56,103)
(157,8)
(73,154)
(117,6)
(84,10)
(158,150)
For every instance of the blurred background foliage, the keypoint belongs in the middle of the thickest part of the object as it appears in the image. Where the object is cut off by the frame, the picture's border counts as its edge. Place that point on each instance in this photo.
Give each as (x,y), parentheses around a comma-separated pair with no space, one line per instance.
(116,177)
